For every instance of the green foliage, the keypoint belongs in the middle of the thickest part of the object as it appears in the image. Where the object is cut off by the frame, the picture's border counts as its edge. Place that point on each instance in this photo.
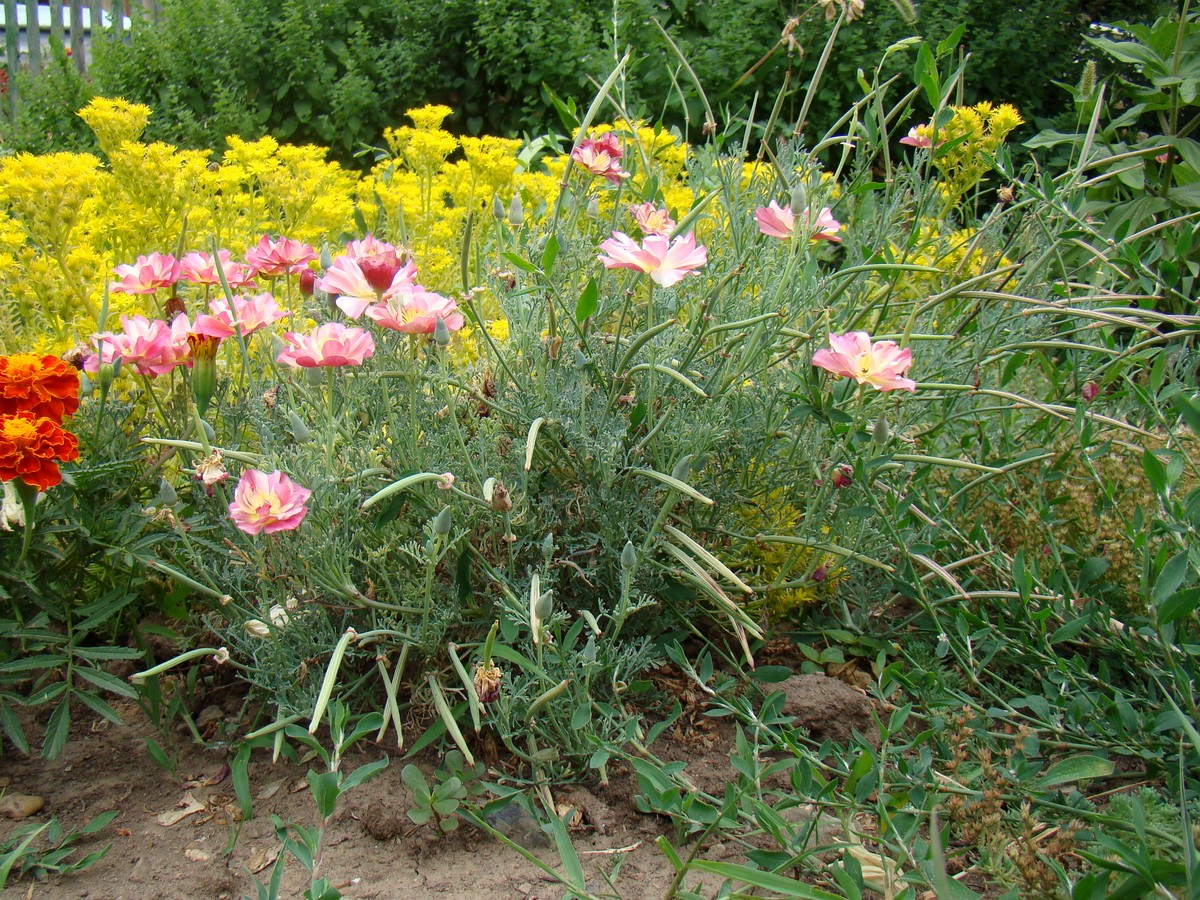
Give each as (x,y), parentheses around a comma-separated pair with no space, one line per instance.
(22,851)
(437,801)
(45,120)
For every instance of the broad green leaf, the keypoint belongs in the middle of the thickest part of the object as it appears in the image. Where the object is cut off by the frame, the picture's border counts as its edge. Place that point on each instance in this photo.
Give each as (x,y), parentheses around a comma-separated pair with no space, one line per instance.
(1075,768)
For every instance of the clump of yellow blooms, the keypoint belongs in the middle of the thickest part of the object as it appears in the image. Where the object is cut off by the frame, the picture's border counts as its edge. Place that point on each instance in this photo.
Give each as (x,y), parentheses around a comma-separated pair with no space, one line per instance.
(115,121)
(967,141)
(958,253)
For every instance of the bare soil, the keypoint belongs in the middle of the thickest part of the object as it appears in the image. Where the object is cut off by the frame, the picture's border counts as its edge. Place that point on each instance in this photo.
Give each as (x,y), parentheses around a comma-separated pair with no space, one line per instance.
(373,851)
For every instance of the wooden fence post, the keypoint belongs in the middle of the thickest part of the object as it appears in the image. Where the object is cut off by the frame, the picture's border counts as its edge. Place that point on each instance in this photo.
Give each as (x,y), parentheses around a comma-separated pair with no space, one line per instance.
(12,52)
(33,36)
(77,50)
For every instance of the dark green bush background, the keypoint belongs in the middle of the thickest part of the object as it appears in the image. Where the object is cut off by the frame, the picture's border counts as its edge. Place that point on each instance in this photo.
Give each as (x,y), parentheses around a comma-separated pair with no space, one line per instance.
(337,72)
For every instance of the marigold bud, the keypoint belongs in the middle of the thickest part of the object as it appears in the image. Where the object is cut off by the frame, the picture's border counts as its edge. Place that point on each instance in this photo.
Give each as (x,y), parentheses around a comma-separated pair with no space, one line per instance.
(204,368)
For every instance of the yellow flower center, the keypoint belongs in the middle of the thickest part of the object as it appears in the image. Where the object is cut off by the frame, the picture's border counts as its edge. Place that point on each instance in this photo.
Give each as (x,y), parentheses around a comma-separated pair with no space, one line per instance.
(19,430)
(23,365)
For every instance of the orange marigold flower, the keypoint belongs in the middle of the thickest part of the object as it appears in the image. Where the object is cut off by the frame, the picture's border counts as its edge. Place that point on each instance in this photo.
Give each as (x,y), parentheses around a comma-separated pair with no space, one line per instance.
(30,448)
(39,385)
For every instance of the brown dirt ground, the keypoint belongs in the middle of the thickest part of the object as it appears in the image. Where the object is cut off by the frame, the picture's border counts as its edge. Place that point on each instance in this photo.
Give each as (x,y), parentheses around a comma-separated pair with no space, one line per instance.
(207,855)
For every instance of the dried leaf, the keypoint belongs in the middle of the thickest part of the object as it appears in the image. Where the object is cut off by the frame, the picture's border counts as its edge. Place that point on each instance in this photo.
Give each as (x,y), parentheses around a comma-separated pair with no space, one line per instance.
(188,806)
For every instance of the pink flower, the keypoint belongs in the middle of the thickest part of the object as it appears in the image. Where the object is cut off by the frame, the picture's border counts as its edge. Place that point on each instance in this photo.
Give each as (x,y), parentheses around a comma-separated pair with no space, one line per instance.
(268,502)
(378,260)
(881,364)
(199,268)
(347,279)
(780,222)
(275,258)
(146,275)
(251,314)
(332,344)
(667,262)
(652,220)
(601,156)
(919,136)
(410,309)
(775,221)
(151,346)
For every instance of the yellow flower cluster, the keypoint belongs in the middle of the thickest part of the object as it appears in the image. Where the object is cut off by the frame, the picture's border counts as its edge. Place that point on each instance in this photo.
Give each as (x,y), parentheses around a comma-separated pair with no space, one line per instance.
(67,218)
(958,254)
(967,141)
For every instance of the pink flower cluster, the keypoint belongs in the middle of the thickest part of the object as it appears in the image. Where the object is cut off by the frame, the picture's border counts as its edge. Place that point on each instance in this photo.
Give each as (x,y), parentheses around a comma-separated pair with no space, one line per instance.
(151,346)
(601,156)
(372,279)
(248,315)
(269,257)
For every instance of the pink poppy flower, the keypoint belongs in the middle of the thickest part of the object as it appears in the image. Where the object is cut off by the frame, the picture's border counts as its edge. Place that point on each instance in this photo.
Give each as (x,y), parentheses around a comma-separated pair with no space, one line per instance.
(146,275)
(601,156)
(379,261)
(199,268)
(411,309)
(354,290)
(881,364)
(667,262)
(276,258)
(249,315)
(919,136)
(780,222)
(268,502)
(331,344)
(149,345)
(652,220)
(775,221)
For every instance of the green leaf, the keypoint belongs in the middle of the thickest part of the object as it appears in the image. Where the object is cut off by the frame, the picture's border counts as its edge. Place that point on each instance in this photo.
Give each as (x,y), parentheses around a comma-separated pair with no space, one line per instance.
(781,884)
(325,791)
(364,773)
(239,769)
(99,706)
(1075,768)
(1189,409)
(105,681)
(550,253)
(772,674)
(1155,473)
(1179,605)
(56,729)
(523,264)
(1170,578)
(589,301)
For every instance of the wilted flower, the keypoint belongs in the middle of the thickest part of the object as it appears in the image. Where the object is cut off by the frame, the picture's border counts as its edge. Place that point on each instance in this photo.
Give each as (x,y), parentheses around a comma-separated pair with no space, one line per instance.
(331,344)
(1090,391)
(853,9)
(446,481)
(842,476)
(39,385)
(221,656)
(601,156)
(278,616)
(881,364)
(146,275)
(248,316)
(257,628)
(667,262)
(12,513)
(211,470)
(268,502)
(487,682)
(652,220)
(279,257)
(151,346)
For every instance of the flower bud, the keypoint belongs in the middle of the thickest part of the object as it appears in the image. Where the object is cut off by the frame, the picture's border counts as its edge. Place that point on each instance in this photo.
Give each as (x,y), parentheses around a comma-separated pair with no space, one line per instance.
(308,282)
(497,208)
(820,574)
(326,258)
(516,211)
(442,522)
(166,495)
(315,376)
(441,333)
(1090,391)
(628,556)
(799,199)
(581,360)
(593,208)
(682,468)
(108,373)
(204,368)
(880,434)
(544,606)
(299,430)
(842,476)
(209,433)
